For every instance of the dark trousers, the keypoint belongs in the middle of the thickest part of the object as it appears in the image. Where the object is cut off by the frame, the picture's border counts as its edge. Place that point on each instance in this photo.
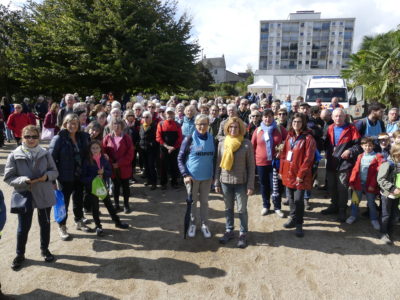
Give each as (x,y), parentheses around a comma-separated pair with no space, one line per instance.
(149,158)
(296,204)
(265,174)
(338,187)
(18,140)
(169,164)
(137,158)
(74,188)
(94,202)
(117,183)
(24,225)
(388,213)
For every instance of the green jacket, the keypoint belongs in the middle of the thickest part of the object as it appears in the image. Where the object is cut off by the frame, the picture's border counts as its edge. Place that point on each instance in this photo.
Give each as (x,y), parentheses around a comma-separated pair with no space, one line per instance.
(387,178)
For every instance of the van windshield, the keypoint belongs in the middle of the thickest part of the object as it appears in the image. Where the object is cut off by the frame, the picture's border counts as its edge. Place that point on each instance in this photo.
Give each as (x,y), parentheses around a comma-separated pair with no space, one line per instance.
(326,94)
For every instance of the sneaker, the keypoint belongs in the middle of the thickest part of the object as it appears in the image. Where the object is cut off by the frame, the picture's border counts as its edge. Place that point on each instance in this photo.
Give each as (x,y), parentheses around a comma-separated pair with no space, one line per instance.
(242,243)
(122,225)
(228,235)
(99,231)
(279,213)
(386,239)
(127,210)
(48,257)
(82,227)
(307,205)
(329,211)
(192,231)
(290,223)
(299,230)
(85,221)
(206,231)
(376,225)
(17,262)
(350,220)
(264,211)
(62,231)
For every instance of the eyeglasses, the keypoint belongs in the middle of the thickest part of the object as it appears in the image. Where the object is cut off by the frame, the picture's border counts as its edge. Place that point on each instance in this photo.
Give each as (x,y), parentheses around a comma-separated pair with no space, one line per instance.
(151,106)
(18,107)
(31,137)
(202,124)
(282,114)
(254,116)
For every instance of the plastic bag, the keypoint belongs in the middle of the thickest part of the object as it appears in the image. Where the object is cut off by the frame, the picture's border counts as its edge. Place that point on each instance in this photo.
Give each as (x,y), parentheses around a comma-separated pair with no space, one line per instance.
(59,208)
(99,188)
(47,133)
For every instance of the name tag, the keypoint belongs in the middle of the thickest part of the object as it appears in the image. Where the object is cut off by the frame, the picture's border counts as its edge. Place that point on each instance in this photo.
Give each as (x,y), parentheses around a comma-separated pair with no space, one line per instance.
(289,155)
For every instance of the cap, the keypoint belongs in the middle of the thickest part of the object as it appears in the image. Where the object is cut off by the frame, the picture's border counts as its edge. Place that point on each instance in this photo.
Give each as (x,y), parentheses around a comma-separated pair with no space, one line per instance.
(170,109)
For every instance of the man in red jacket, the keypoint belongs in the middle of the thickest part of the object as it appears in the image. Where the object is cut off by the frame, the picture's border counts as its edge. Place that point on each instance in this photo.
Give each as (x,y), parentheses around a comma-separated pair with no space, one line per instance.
(169,136)
(342,146)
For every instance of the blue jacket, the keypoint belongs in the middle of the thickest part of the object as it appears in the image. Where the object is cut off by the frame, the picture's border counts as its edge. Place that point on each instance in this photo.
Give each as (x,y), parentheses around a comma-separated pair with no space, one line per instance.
(188,126)
(62,150)
(89,171)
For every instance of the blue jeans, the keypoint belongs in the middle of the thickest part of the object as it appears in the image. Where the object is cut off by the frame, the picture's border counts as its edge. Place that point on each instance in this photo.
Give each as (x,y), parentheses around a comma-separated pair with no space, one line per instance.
(371,204)
(266,184)
(231,193)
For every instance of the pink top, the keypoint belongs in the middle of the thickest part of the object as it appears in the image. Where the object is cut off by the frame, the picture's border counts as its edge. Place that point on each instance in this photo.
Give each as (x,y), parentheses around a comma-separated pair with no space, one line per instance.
(96,158)
(117,141)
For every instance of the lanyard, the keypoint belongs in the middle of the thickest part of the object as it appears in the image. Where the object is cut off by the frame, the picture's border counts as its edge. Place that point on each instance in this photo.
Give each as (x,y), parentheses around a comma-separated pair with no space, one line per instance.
(294,143)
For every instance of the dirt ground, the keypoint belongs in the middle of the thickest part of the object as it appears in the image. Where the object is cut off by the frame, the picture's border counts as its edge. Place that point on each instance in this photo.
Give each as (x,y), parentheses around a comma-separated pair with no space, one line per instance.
(151,260)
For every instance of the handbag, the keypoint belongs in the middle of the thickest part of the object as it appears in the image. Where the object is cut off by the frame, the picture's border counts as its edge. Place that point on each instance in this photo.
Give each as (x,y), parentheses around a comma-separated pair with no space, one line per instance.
(59,208)
(99,188)
(47,133)
(21,202)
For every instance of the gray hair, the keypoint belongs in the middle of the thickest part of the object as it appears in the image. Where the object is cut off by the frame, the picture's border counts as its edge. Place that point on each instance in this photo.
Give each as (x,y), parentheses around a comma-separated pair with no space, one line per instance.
(339,110)
(115,104)
(137,106)
(69,96)
(232,107)
(147,114)
(128,112)
(201,117)
(117,121)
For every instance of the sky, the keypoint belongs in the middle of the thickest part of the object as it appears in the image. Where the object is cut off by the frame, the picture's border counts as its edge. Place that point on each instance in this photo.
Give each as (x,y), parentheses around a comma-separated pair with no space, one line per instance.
(231,27)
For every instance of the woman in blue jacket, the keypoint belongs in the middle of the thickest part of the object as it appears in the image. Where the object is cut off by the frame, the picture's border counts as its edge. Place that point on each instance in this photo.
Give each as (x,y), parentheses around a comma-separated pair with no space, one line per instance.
(195,162)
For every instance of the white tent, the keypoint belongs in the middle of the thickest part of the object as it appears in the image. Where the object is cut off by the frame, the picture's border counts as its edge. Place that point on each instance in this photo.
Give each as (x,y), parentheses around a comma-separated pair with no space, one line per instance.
(260,86)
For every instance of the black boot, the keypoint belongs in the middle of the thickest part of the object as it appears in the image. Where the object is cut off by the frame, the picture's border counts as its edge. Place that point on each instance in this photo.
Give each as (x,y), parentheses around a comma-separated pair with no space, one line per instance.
(291,223)
(299,230)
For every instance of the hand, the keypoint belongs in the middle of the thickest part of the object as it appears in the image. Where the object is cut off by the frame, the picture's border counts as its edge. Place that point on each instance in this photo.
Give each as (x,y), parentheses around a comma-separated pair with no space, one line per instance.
(218,190)
(42,179)
(106,156)
(279,176)
(346,154)
(115,165)
(249,192)
(396,191)
(299,180)
(187,179)
(100,171)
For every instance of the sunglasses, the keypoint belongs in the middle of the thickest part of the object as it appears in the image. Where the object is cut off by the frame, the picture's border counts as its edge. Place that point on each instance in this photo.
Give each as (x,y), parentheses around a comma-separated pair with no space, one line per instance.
(254,116)
(282,114)
(31,137)
(147,117)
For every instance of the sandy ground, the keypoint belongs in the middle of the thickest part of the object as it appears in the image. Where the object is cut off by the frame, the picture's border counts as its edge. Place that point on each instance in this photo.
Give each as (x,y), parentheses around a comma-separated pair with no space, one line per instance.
(151,260)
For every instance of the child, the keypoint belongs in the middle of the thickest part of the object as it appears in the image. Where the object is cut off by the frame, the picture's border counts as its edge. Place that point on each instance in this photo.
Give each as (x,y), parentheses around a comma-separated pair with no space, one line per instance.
(384,144)
(97,164)
(363,180)
(396,137)
(389,183)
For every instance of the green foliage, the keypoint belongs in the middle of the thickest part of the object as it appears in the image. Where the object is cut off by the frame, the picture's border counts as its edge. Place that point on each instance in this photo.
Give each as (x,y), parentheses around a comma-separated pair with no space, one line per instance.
(377,67)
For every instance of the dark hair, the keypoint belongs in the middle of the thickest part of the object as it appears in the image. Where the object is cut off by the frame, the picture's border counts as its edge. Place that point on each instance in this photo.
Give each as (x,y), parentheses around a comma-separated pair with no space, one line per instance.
(304,104)
(315,109)
(96,125)
(92,142)
(303,121)
(375,106)
(367,140)
(267,112)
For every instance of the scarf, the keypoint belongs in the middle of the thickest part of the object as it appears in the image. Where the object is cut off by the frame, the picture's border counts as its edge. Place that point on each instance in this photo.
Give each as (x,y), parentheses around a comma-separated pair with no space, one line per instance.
(269,141)
(201,136)
(32,153)
(231,145)
(145,126)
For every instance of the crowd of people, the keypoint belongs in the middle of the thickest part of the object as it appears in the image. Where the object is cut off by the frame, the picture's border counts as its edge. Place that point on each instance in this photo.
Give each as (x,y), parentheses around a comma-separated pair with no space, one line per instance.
(221,145)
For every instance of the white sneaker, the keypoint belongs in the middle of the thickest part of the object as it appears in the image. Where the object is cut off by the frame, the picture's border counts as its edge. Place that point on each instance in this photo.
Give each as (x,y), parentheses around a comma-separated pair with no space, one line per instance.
(192,231)
(350,220)
(279,213)
(264,211)
(206,231)
(376,225)
(62,231)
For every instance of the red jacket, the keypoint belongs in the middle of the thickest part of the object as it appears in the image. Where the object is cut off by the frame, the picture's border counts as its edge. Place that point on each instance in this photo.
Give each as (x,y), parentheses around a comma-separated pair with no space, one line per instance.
(300,165)
(260,149)
(372,184)
(16,122)
(170,133)
(123,156)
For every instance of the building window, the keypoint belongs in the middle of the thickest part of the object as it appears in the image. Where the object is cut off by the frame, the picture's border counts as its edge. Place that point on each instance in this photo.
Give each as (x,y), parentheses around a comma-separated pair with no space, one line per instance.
(301,33)
(307,52)
(339,52)
(270,62)
(301,24)
(277,62)
(332,43)
(307,62)
(215,71)
(299,62)
(339,43)
(340,33)
(308,43)
(333,23)
(330,62)
(277,53)
(333,33)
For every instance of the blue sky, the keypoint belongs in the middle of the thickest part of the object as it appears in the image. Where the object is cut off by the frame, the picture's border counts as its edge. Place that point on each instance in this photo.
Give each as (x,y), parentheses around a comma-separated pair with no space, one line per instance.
(231,27)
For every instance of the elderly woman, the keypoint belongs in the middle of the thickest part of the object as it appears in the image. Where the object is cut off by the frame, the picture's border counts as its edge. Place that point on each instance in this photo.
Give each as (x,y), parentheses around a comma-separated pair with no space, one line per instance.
(195,162)
(254,122)
(30,168)
(119,148)
(297,159)
(149,148)
(234,174)
(188,126)
(68,149)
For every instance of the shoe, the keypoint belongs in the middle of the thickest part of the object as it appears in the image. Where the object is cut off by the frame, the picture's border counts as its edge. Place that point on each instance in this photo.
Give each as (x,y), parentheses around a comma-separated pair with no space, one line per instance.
(264,211)
(153,187)
(62,231)
(121,225)
(17,262)
(242,243)
(290,223)
(307,205)
(82,227)
(118,209)
(329,211)
(299,230)
(164,187)
(206,231)
(85,221)
(386,239)
(228,235)
(127,210)
(279,213)
(376,225)
(133,179)
(350,220)
(286,202)
(191,231)
(99,231)
(48,257)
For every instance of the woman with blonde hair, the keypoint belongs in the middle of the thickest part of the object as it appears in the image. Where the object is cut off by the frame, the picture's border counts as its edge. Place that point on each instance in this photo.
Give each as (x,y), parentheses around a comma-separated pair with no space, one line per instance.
(234,175)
